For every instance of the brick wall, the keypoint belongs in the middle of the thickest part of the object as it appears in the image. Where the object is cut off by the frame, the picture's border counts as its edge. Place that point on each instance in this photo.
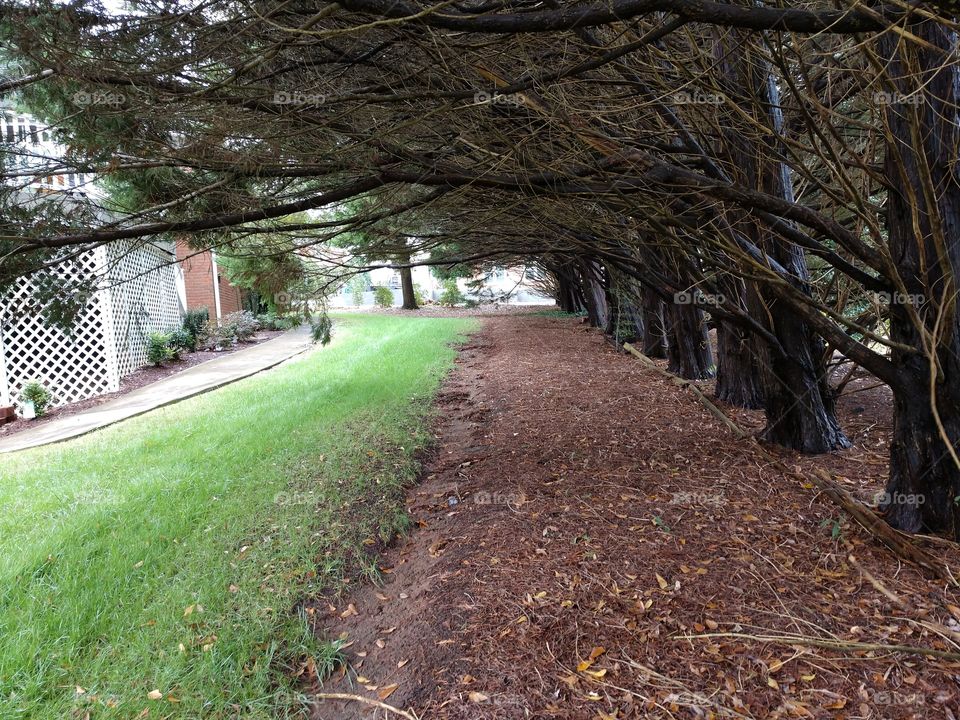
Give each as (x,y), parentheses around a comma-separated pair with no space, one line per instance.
(198,279)
(231,297)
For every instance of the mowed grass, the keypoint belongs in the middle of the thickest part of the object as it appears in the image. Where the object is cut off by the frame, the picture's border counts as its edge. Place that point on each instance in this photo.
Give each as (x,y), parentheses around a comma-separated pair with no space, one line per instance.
(167,556)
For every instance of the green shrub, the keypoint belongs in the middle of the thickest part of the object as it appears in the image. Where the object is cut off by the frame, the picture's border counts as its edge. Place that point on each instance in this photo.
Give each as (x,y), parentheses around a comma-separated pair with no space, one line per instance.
(37,393)
(269,321)
(194,324)
(158,348)
(210,337)
(418,295)
(288,322)
(383,296)
(235,327)
(180,341)
(241,325)
(451,293)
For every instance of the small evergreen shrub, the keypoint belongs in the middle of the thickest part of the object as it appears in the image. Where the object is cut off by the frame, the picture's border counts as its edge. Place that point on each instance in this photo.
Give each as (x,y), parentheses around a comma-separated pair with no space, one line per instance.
(194,324)
(180,341)
(383,296)
(358,286)
(158,348)
(35,392)
(288,322)
(451,293)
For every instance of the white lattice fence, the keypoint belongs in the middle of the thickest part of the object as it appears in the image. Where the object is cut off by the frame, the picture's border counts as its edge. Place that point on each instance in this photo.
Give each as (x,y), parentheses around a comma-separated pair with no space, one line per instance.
(144,299)
(138,296)
(74,365)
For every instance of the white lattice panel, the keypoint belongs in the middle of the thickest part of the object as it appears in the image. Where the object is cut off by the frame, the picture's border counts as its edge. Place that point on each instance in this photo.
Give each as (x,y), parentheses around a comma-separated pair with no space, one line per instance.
(144,299)
(74,365)
(138,296)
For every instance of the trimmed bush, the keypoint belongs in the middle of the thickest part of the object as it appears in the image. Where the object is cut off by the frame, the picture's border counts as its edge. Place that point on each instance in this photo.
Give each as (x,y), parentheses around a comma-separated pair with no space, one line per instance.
(37,393)
(158,348)
(241,326)
(180,341)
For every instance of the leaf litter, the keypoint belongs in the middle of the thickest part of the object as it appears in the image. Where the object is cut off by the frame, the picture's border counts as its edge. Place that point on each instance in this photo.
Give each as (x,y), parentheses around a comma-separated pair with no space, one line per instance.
(615,553)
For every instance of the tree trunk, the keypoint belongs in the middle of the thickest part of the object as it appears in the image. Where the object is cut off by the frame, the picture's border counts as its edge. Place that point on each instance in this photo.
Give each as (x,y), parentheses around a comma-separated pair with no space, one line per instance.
(924,484)
(924,239)
(798,402)
(624,321)
(612,326)
(688,344)
(654,335)
(568,296)
(564,296)
(739,370)
(629,327)
(797,398)
(594,293)
(406,285)
(741,357)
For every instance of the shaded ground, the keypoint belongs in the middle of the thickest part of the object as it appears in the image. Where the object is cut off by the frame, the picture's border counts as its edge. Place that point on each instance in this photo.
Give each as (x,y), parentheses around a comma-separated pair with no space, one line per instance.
(611,551)
(135,380)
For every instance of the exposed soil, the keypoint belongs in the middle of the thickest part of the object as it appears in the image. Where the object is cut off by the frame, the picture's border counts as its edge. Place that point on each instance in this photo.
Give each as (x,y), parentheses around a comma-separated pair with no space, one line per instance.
(135,380)
(592,543)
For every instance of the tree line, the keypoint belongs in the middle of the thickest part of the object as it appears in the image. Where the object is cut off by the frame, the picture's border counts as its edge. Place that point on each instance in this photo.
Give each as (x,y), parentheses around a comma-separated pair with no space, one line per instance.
(785,175)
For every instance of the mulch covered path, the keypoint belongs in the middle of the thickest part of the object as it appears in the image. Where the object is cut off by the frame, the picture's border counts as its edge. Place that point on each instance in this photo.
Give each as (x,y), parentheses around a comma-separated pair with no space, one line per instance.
(611,551)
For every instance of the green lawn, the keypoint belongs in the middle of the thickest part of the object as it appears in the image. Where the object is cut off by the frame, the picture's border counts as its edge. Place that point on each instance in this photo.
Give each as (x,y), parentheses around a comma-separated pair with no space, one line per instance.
(169,553)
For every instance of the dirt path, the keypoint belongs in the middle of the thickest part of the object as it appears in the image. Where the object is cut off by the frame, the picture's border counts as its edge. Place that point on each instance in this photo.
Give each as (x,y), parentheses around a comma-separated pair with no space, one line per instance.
(592,544)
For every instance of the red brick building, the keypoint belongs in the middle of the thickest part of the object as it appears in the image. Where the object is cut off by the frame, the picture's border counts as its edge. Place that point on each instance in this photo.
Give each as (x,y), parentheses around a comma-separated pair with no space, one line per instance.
(207,284)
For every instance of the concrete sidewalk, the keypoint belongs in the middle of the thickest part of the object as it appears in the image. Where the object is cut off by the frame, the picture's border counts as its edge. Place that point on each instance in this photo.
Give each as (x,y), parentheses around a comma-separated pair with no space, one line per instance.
(192,381)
